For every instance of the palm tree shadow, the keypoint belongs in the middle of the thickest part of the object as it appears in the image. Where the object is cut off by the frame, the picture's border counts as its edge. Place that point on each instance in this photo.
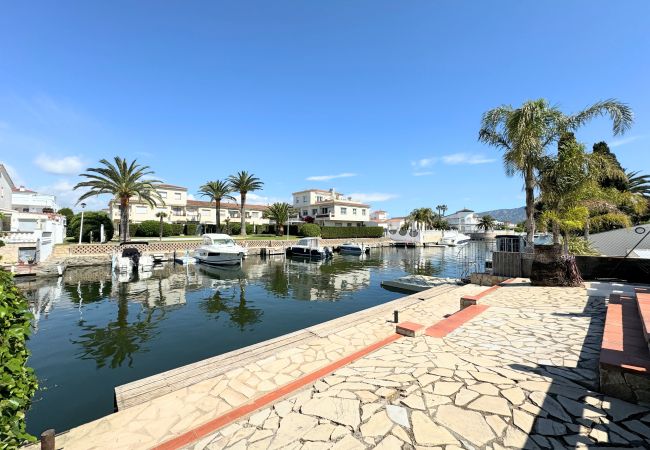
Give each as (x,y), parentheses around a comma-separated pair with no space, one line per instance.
(564,411)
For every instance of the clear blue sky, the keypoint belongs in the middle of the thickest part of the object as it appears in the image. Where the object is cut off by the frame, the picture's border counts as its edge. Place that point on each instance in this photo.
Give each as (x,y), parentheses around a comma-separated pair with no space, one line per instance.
(391,92)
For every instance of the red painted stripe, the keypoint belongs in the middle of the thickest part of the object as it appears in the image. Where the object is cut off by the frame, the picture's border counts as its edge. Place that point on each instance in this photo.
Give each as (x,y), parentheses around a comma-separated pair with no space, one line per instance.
(455,321)
(237,413)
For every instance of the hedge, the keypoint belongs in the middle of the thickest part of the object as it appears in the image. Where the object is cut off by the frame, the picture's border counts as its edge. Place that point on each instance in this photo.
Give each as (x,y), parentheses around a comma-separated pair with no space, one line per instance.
(17,381)
(235,228)
(92,222)
(151,228)
(177,229)
(309,230)
(351,232)
(190,229)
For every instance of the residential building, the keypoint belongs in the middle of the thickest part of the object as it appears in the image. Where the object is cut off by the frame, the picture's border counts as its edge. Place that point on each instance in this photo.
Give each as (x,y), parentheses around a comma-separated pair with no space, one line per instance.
(330,208)
(6,188)
(180,209)
(28,201)
(380,219)
(465,221)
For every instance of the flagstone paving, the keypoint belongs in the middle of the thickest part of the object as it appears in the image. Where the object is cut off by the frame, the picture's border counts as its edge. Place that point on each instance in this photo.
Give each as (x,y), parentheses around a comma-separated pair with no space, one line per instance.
(519,375)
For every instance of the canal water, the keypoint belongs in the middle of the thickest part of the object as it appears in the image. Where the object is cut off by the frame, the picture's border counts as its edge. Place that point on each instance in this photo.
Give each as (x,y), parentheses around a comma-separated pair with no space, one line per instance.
(93,331)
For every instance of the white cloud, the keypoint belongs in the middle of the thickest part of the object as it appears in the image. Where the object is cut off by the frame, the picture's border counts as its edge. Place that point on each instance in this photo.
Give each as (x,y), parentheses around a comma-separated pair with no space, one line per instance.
(424,162)
(624,141)
(191,197)
(330,177)
(465,158)
(255,199)
(372,197)
(422,174)
(68,165)
(67,197)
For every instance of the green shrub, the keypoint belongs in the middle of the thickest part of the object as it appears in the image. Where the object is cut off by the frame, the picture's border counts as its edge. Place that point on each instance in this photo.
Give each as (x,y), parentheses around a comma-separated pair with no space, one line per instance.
(17,381)
(609,221)
(133,229)
(190,229)
(177,229)
(151,228)
(235,228)
(309,230)
(351,232)
(92,223)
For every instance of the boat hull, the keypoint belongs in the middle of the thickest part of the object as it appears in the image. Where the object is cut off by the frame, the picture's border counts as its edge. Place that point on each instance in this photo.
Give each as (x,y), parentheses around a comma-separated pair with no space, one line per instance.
(306,253)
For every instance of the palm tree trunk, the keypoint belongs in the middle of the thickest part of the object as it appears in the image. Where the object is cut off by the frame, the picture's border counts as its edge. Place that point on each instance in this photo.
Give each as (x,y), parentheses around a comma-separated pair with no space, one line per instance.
(161,227)
(217,211)
(587,226)
(124,219)
(243,215)
(530,207)
(556,233)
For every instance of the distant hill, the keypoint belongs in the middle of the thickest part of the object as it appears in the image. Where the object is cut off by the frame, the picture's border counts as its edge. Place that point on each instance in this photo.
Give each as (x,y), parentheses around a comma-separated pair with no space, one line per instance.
(512,215)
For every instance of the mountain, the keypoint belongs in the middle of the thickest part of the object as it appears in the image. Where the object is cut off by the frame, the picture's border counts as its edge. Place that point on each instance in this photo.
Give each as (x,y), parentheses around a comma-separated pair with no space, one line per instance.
(512,215)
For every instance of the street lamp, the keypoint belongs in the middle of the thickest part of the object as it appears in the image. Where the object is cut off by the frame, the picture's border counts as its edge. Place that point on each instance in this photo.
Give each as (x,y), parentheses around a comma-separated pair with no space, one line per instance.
(81,227)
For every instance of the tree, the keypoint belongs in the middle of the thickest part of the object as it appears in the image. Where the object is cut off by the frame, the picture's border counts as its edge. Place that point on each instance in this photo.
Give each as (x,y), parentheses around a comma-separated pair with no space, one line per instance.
(487,223)
(161,215)
(525,133)
(124,181)
(243,182)
(217,191)
(441,210)
(601,148)
(68,214)
(279,213)
(420,218)
(93,221)
(637,184)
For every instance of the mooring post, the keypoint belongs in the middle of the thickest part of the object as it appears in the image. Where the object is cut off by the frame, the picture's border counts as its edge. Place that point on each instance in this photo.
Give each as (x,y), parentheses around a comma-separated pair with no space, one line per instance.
(47,439)
(174,257)
(396,316)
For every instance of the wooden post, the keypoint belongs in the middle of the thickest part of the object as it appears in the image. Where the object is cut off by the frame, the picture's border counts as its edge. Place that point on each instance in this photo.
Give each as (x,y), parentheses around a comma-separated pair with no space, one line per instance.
(47,439)
(396,316)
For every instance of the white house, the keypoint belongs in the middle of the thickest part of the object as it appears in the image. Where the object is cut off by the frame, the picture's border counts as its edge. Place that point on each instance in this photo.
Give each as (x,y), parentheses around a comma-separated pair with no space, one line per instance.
(26,200)
(465,221)
(331,208)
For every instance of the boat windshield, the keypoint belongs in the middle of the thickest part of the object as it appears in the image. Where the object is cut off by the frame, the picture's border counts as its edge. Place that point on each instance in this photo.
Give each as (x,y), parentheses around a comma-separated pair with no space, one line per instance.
(223,242)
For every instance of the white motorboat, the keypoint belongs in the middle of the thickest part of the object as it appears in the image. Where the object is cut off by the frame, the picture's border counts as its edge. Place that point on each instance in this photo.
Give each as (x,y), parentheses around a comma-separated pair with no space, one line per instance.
(219,250)
(454,238)
(351,248)
(309,248)
(130,258)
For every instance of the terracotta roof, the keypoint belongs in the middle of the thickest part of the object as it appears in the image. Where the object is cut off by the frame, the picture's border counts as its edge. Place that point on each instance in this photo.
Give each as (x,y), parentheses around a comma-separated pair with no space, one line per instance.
(202,204)
(341,202)
(23,189)
(171,186)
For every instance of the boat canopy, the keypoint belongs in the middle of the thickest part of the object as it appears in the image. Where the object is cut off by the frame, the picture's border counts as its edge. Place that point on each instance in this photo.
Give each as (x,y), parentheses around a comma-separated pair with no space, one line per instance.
(217,239)
(311,242)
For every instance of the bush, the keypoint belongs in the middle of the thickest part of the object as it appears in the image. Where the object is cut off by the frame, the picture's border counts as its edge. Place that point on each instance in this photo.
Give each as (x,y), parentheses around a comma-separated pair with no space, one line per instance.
(190,229)
(309,230)
(17,381)
(351,232)
(609,221)
(92,223)
(133,229)
(151,228)
(177,229)
(235,228)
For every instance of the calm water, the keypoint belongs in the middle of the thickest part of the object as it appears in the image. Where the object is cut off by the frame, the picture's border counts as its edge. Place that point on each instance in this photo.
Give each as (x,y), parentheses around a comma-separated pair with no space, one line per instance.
(93,332)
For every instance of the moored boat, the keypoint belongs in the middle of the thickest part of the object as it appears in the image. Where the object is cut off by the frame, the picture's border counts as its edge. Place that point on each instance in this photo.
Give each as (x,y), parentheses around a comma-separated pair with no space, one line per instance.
(454,238)
(219,250)
(352,248)
(309,248)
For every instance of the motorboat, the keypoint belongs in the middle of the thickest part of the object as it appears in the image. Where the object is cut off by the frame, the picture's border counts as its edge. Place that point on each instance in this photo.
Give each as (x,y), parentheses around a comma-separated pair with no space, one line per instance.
(309,248)
(130,258)
(351,248)
(219,250)
(454,238)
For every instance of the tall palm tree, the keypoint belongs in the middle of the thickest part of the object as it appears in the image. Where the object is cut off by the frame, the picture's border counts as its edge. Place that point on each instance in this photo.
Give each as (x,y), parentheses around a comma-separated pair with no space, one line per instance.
(441,209)
(243,182)
(217,191)
(444,209)
(524,134)
(638,184)
(279,213)
(124,181)
(487,223)
(422,218)
(161,215)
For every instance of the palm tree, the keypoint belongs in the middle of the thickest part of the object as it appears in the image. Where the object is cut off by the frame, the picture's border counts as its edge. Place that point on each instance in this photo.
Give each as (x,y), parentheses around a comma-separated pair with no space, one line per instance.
(441,210)
(487,223)
(422,218)
(279,213)
(243,182)
(216,191)
(638,184)
(524,134)
(124,181)
(161,215)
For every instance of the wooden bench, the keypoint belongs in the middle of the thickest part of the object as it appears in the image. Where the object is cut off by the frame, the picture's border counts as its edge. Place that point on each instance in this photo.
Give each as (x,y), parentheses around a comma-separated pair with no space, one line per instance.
(624,355)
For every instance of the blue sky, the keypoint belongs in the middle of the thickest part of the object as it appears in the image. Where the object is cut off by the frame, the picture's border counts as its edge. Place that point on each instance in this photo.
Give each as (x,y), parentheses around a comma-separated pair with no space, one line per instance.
(388,93)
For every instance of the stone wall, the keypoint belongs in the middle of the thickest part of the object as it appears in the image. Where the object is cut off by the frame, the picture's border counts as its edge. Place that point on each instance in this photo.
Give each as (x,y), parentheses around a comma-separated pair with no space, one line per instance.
(9,253)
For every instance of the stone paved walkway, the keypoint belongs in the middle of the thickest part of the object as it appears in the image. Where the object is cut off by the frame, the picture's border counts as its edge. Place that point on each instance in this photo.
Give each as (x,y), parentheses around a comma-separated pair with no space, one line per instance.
(520,375)
(161,419)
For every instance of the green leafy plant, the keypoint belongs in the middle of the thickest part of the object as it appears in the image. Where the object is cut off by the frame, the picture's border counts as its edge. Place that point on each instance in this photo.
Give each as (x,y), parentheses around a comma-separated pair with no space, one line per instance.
(217,191)
(235,228)
(609,221)
(279,212)
(351,232)
(17,381)
(309,230)
(93,220)
(243,182)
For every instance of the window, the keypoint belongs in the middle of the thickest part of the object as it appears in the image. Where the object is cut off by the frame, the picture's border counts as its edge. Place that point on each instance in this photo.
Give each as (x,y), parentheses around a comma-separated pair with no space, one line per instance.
(304,199)
(305,212)
(177,211)
(314,211)
(177,195)
(338,224)
(163,194)
(354,211)
(349,224)
(319,198)
(363,212)
(344,210)
(141,209)
(324,210)
(297,200)
(256,213)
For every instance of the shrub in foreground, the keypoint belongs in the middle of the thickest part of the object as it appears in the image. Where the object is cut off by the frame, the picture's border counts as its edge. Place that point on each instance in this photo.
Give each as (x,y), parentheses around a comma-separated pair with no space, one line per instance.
(92,223)
(309,230)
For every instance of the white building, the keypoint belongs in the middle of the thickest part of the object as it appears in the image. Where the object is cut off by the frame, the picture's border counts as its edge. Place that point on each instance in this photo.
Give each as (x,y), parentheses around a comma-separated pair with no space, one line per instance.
(6,188)
(465,221)
(330,208)
(28,201)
